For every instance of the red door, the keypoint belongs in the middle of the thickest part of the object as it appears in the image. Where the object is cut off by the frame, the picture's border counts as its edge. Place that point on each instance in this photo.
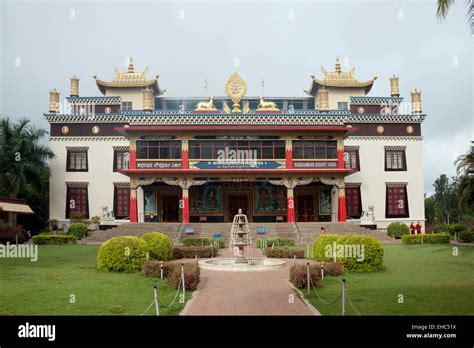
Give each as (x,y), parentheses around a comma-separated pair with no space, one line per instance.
(305,208)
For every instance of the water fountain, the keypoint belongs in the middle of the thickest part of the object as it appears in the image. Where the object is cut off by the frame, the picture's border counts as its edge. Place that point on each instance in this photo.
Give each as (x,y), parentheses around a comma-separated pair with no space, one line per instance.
(239,239)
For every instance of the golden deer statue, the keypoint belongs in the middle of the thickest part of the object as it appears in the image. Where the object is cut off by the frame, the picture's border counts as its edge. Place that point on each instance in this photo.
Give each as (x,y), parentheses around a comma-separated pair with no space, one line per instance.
(206,105)
(267,105)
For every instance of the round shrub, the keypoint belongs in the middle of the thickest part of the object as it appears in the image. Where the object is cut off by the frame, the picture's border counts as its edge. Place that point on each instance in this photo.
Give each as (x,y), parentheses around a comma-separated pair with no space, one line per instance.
(122,254)
(78,230)
(397,229)
(319,246)
(356,253)
(465,236)
(367,253)
(452,229)
(159,245)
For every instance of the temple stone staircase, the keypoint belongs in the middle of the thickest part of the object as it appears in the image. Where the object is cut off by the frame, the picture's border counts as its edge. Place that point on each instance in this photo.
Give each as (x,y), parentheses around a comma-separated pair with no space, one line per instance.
(302,232)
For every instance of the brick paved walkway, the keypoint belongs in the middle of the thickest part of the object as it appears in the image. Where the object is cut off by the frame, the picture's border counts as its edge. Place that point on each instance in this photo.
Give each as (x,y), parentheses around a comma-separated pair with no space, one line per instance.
(246,293)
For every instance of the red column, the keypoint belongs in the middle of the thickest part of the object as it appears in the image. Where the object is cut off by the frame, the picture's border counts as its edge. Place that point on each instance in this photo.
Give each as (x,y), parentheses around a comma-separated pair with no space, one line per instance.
(341,211)
(185,207)
(340,154)
(184,154)
(133,155)
(289,154)
(133,206)
(290,206)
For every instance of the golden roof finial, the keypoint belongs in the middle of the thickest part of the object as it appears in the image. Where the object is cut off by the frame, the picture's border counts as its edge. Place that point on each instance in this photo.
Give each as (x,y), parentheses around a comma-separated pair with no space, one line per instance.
(338,65)
(130,65)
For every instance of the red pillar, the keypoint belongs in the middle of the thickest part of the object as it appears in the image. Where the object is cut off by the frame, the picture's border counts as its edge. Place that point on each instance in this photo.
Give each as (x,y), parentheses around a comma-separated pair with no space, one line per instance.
(133,206)
(133,156)
(289,154)
(184,154)
(185,207)
(290,206)
(341,212)
(340,154)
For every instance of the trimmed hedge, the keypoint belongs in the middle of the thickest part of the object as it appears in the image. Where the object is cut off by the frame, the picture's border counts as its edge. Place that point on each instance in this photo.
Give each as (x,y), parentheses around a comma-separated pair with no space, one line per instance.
(50,239)
(451,229)
(356,253)
(191,275)
(284,253)
(275,241)
(201,241)
(437,238)
(466,236)
(191,252)
(397,229)
(78,230)
(159,245)
(8,235)
(126,254)
(299,278)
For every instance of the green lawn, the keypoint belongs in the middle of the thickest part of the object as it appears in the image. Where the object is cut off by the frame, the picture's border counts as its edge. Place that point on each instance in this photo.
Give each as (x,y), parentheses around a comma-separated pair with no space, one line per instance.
(431,280)
(44,287)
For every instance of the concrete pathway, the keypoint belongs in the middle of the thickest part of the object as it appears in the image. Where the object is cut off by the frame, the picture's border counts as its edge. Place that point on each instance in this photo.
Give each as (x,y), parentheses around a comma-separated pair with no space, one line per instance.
(247,293)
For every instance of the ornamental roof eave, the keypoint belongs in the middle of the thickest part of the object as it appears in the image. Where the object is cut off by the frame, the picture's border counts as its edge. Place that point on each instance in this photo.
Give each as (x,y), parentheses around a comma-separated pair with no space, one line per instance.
(343,83)
(153,84)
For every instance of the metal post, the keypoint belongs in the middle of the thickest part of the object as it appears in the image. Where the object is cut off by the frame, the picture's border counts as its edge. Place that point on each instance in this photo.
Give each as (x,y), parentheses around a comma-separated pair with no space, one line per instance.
(343,296)
(161,270)
(155,289)
(273,245)
(182,279)
(307,276)
(147,255)
(322,271)
(307,250)
(294,259)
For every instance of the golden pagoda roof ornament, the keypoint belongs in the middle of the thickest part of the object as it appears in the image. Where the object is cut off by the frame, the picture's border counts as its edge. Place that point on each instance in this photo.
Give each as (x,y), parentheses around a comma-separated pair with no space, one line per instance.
(338,78)
(235,88)
(130,79)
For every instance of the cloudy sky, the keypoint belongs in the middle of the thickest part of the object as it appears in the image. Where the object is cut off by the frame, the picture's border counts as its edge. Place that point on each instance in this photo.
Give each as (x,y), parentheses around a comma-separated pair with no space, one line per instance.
(280,42)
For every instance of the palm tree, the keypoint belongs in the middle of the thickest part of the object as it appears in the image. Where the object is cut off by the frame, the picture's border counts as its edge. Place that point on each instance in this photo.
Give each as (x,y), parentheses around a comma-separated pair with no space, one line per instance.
(23,161)
(443,9)
(465,169)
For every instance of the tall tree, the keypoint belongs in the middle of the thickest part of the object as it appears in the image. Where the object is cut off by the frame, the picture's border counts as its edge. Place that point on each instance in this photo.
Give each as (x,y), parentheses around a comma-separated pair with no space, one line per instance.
(23,160)
(445,5)
(465,170)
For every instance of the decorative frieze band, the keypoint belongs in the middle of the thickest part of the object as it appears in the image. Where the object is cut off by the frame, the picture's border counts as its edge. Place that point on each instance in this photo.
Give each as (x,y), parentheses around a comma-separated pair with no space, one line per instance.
(121,184)
(352,184)
(396,184)
(395,148)
(351,148)
(77,148)
(122,148)
(384,138)
(86,138)
(76,184)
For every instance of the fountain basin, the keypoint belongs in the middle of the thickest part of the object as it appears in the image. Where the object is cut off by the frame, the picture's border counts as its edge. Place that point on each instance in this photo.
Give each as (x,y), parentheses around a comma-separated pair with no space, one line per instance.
(232,265)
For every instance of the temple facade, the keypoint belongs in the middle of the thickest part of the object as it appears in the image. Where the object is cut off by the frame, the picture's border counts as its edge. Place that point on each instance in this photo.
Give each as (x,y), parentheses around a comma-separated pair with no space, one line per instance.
(329,155)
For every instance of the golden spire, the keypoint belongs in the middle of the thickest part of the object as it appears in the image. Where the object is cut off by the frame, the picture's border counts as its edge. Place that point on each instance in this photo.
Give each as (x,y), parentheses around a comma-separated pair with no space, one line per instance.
(74,86)
(394,91)
(338,65)
(416,102)
(130,65)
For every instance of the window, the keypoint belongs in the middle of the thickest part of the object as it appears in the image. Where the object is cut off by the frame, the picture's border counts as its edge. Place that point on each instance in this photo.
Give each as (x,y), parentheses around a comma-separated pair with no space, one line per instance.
(397,202)
(121,202)
(351,159)
(121,160)
(127,105)
(314,150)
(395,160)
(342,106)
(353,202)
(76,201)
(237,150)
(159,150)
(76,161)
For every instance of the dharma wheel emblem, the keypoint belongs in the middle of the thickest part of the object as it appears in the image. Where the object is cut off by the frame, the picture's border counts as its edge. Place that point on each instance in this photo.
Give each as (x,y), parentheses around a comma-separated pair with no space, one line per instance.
(235,88)
(65,129)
